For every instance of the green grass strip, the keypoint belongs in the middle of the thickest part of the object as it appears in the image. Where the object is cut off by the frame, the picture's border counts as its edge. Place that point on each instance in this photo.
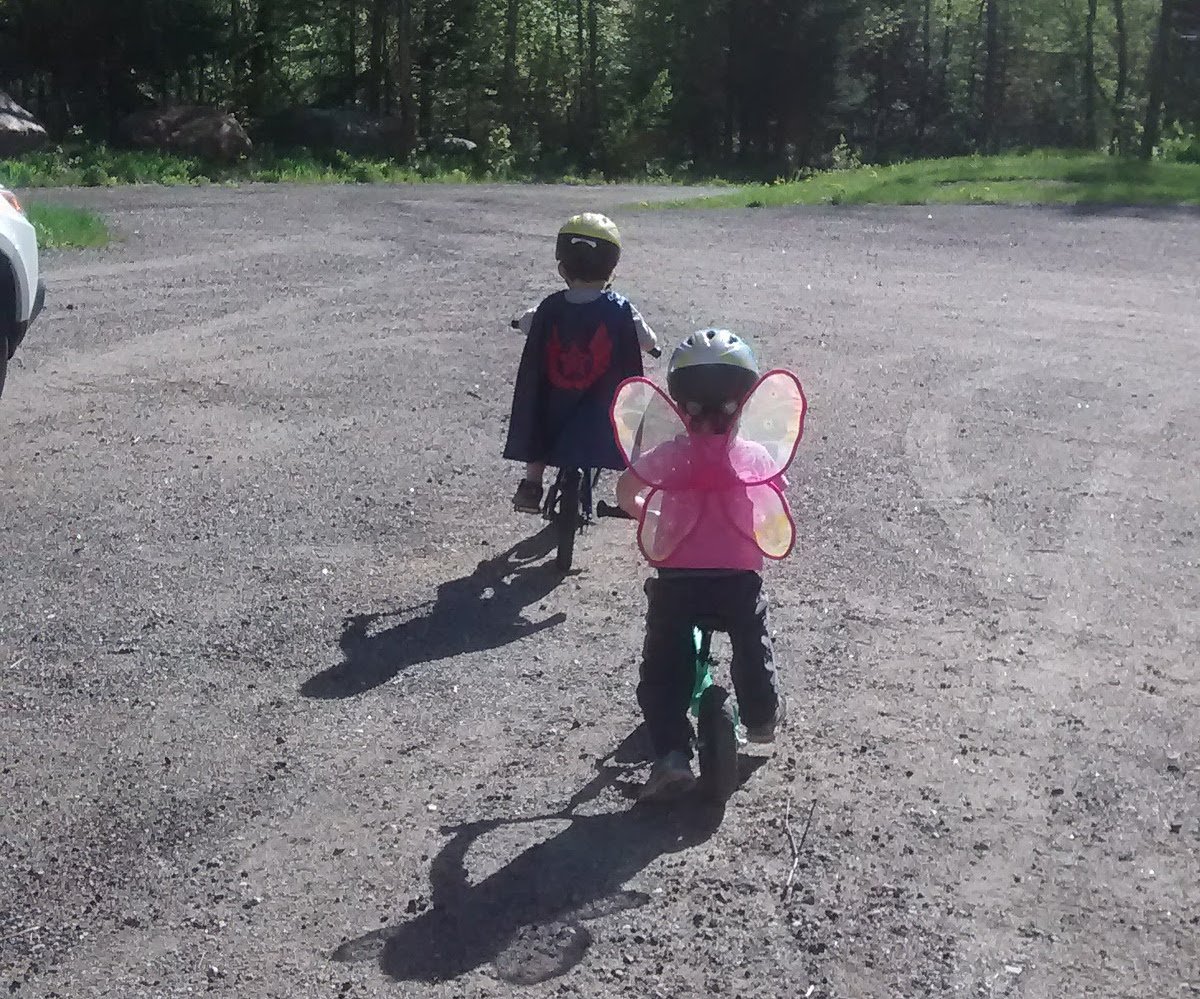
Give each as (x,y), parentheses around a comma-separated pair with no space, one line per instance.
(1039,178)
(60,226)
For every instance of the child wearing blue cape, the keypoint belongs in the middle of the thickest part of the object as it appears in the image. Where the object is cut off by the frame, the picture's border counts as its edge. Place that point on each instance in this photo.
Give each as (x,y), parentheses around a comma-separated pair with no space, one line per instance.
(581,344)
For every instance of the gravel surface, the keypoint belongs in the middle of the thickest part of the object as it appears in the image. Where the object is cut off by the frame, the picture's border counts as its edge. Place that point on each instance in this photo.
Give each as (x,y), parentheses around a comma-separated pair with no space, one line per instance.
(292,704)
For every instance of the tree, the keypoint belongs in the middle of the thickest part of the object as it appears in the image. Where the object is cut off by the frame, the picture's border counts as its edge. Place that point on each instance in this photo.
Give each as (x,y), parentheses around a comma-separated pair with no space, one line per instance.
(1089,78)
(1120,125)
(748,87)
(508,87)
(1158,78)
(992,72)
(262,55)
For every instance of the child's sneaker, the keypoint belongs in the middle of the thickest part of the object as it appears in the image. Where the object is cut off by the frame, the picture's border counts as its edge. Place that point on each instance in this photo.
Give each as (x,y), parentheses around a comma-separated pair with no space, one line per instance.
(764,734)
(670,777)
(528,497)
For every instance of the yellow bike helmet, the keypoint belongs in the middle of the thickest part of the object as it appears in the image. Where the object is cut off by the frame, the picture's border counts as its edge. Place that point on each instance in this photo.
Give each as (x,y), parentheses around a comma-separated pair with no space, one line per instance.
(588,246)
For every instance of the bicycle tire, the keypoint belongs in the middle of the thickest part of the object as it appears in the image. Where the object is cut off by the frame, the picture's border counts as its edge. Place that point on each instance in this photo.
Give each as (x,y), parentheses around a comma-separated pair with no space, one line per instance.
(716,730)
(566,521)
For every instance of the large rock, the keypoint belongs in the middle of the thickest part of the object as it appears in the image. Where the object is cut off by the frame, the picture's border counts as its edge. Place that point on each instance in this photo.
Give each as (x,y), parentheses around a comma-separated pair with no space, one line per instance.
(20,132)
(207,133)
(337,128)
(452,145)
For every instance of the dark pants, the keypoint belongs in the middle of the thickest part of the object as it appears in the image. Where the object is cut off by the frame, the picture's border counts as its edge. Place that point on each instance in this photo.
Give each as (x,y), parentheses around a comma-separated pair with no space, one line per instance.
(734,603)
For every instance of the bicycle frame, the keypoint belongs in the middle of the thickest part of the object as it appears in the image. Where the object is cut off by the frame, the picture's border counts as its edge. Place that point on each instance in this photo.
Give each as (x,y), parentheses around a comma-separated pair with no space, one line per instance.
(588,480)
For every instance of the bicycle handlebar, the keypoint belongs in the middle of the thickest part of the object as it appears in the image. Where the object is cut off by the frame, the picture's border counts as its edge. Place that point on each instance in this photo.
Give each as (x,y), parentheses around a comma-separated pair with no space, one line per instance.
(655,352)
(608,510)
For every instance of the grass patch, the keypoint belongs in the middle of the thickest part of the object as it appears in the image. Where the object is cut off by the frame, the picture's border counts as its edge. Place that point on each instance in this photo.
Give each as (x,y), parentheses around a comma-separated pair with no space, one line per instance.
(60,226)
(1039,178)
(85,164)
(97,165)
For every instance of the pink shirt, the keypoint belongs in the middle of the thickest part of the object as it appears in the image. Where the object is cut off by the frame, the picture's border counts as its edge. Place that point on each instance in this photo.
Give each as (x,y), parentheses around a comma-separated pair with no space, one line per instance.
(704,498)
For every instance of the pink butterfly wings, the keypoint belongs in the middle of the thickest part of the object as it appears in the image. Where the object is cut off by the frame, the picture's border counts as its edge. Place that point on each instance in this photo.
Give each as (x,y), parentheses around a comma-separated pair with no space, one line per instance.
(689,475)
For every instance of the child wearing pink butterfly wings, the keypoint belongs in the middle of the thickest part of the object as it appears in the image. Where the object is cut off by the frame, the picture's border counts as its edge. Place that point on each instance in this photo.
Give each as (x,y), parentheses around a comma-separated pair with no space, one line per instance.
(705,481)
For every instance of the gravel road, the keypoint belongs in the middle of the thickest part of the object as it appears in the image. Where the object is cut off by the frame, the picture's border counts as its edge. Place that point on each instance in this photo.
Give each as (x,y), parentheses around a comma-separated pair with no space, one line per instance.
(292,704)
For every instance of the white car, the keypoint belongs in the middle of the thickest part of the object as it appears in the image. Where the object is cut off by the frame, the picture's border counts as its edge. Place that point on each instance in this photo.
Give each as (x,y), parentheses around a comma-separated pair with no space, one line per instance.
(22,291)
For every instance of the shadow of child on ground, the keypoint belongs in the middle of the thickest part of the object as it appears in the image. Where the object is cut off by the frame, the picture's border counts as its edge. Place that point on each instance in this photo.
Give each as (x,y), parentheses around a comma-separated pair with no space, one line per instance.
(527,917)
(472,613)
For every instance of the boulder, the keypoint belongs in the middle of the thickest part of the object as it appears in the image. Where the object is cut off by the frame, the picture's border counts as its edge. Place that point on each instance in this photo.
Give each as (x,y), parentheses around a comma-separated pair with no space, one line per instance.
(453,144)
(203,132)
(20,132)
(347,129)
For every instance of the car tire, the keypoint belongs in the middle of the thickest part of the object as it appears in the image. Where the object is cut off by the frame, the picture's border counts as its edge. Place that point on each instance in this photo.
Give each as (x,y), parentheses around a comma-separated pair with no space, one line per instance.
(10,329)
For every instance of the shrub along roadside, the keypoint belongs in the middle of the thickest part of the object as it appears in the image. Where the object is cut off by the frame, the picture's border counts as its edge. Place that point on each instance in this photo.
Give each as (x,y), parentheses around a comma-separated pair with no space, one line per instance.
(97,165)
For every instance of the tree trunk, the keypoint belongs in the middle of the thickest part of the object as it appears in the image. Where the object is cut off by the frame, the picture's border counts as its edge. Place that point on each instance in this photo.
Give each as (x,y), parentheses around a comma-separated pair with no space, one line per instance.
(944,69)
(425,76)
(730,56)
(1158,81)
(581,82)
(377,72)
(1120,139)
(991,72)
(350,86)
(559,55)
(404,73)
(235,42)
(593,71)
(973,74)
(508,81)
(262,55)
(926,69)
(1089,79)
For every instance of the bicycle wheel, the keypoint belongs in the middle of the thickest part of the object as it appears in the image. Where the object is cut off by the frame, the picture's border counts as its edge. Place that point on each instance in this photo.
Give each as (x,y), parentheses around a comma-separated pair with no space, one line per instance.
(566,521)
(716,731)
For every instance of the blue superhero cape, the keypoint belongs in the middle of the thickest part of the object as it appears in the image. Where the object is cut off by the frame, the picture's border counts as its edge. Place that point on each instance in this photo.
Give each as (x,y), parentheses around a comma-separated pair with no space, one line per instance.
(575,357)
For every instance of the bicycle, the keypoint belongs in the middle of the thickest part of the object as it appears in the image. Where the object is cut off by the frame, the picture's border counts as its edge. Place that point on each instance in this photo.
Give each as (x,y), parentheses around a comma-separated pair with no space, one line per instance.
(718,733)
(568,506)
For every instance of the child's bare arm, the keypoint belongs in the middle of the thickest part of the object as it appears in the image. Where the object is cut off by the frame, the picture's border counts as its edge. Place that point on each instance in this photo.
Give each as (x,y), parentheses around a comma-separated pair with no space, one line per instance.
(630,491)
(647,339)
(525,323)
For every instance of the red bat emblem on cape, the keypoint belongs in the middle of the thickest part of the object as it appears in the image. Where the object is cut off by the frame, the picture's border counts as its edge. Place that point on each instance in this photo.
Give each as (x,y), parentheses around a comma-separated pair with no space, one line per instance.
(577,367)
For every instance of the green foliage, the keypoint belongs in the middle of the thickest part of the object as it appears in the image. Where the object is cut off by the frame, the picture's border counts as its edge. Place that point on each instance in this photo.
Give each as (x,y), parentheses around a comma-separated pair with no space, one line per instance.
(64,226)
(96,165)
(657,88)
(633,138)
(500,158)
(1180,147)
(844,156)
(1047,177)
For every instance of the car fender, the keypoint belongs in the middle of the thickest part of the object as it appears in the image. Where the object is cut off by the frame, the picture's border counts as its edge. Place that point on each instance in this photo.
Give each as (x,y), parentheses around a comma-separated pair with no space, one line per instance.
(18,247)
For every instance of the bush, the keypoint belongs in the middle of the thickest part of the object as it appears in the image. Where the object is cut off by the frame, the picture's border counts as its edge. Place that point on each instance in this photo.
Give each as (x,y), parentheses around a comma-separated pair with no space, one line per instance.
(78,163)
(500,158)
(1180,147)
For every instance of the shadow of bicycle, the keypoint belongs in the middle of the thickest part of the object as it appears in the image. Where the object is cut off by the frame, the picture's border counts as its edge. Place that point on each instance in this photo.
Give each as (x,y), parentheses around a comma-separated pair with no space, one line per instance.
(528,918)
(484,610)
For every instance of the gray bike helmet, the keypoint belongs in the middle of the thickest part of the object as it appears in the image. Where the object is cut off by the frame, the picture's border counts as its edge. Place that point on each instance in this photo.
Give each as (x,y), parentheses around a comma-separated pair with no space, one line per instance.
(711,371)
